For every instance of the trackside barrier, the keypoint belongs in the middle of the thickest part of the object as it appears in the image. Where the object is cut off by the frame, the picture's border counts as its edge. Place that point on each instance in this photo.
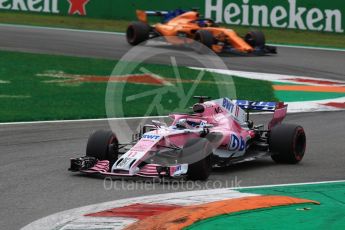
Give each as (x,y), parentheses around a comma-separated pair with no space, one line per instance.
(315,15)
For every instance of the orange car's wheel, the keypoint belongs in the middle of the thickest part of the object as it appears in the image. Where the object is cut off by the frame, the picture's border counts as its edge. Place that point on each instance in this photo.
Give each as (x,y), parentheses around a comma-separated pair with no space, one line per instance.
(204,37)
(204,43)
(255,39)
(137,32)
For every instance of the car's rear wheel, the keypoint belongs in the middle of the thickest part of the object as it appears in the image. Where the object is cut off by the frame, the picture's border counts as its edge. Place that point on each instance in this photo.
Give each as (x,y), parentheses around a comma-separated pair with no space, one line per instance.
(255,38)
(197,153)
(137,32)
(103,145)
(287,143)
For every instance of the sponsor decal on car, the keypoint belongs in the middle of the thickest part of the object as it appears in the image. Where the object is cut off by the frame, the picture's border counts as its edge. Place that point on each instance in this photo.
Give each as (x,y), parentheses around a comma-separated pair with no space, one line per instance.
(179,170)
(146,142)
(228,105)
(233,109)
(150,136)
(124,163)
(237,143)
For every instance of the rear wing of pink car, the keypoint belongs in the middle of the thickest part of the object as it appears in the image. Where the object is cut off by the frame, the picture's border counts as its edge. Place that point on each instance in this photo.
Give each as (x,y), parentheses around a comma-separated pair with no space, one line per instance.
(279,109)
(259,105)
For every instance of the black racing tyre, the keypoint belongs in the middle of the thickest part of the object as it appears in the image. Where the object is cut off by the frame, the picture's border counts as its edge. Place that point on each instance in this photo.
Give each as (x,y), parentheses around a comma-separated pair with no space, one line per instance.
(137,32)
(197,153)
(255,38)
(205,37)
(103,145)
(287,143)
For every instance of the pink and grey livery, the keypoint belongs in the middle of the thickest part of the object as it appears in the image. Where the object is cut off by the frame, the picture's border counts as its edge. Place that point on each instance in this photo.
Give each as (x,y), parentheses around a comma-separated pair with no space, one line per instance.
(218,133)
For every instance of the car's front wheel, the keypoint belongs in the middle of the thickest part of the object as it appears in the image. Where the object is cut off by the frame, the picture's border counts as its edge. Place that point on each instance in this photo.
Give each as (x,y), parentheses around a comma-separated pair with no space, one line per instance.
(103,145)
(205,40)
(197,153)
(287,143)
(255,39)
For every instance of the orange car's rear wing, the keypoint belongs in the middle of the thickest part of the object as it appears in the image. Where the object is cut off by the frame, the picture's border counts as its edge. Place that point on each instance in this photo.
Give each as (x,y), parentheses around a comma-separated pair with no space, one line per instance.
(143,15)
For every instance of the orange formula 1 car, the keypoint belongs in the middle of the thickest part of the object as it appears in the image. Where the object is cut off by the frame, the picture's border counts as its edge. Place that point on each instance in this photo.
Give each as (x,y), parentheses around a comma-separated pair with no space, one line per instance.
(178,25)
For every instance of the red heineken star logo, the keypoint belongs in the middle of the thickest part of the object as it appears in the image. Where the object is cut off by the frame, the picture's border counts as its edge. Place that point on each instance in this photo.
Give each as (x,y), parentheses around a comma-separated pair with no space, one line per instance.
(77,7)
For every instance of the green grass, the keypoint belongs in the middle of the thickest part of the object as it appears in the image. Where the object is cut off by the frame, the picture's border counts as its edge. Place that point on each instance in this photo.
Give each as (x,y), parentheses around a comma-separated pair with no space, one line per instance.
(71,22)
(25,95)
(281,36)
(292,96)
(328,215)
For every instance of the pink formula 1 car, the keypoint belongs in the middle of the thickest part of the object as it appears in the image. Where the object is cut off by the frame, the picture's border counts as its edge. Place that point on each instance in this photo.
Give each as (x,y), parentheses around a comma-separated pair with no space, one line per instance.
(218,133)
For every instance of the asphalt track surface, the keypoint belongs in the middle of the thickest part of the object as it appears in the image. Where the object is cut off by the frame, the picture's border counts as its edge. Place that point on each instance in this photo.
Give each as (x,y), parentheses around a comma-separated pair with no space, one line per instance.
(34,157)
(293,61)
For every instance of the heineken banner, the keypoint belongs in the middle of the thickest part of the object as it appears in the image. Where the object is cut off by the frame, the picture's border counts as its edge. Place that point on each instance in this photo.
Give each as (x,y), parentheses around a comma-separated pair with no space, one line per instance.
(316,15)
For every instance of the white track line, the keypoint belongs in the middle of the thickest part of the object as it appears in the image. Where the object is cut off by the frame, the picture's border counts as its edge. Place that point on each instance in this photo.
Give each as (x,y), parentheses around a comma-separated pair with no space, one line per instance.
(292,184)
(127,118)
(59,29)
(80,120)
(121,33)
(308,47)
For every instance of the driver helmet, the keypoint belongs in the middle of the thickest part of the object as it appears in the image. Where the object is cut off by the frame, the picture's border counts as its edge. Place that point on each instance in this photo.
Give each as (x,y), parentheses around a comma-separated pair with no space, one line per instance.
(193,123)
(205,23)
(181,124)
